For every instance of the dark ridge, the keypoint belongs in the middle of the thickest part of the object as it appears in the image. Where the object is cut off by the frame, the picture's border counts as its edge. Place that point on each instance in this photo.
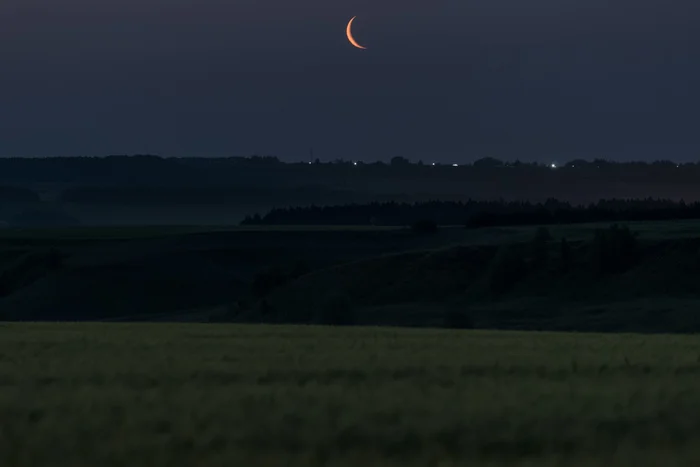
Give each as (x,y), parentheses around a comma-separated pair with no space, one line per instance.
(474,213)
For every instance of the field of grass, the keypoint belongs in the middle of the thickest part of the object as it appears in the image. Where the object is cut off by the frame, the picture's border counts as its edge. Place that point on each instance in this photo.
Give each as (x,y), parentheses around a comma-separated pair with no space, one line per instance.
(151,395)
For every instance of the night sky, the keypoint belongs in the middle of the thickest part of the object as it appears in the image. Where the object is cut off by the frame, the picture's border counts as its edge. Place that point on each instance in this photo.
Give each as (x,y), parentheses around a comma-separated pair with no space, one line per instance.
(448,81)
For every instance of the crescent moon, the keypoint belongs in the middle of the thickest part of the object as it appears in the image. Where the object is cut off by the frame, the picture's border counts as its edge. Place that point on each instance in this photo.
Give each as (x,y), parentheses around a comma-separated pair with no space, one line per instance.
(348,31)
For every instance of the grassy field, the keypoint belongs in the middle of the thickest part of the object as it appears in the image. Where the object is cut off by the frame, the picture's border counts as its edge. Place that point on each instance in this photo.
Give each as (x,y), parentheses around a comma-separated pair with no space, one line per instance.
(84,395)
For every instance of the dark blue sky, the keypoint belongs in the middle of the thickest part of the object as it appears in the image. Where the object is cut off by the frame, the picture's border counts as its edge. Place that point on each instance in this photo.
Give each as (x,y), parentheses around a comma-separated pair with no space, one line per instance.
(446,80)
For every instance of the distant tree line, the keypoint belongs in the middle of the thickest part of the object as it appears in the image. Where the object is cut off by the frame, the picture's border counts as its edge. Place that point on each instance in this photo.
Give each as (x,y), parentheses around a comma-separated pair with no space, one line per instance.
(159,170)
(479,213)
(265,178)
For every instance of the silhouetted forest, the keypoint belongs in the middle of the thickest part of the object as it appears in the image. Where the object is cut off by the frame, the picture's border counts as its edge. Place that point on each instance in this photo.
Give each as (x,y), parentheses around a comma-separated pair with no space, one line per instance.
(480,213)
(134,170)
(265,181)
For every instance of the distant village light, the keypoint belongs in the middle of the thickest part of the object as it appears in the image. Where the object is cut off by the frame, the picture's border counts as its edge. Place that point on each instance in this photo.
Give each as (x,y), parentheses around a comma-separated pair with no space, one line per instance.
(454,165)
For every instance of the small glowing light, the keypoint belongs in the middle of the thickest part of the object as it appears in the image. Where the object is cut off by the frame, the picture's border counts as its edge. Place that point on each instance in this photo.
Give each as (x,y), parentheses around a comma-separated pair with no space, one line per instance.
(354,163)
(455,165)
(554,166)
(433,163)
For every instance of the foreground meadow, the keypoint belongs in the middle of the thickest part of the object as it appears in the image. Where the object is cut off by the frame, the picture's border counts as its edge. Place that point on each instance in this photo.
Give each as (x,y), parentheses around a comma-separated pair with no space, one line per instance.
(156,395)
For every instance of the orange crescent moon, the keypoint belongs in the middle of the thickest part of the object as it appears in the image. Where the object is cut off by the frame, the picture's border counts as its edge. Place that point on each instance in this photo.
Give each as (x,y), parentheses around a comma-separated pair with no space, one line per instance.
(348,31)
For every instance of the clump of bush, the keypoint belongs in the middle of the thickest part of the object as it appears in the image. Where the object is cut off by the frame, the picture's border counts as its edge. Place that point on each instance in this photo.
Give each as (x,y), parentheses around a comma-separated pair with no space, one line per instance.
(565,257)
(336,311)
(28,268)
(272,278)
(540,247)
(458,319)
(614,250)
(506,269)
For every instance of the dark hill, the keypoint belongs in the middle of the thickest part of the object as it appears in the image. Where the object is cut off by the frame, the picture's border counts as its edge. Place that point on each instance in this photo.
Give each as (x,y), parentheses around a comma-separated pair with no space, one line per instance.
(505,287)
(12,194)
(74,275)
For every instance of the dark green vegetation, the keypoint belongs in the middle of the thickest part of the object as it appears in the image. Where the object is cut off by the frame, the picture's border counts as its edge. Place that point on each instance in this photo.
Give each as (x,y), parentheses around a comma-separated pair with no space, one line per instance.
(614,280)
(86,273)
(591,277)
(85,395)
(476,214)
